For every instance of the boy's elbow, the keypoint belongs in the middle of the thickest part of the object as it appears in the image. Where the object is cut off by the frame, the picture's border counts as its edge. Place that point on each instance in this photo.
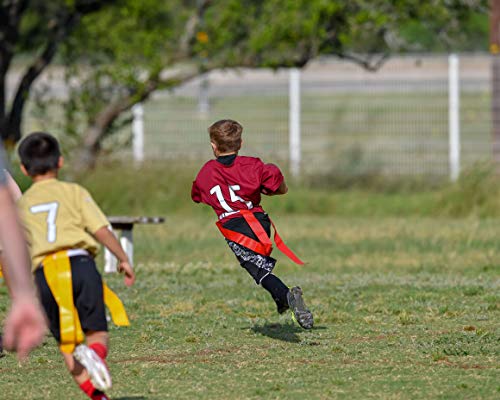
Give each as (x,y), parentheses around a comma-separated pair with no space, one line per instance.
(283,189)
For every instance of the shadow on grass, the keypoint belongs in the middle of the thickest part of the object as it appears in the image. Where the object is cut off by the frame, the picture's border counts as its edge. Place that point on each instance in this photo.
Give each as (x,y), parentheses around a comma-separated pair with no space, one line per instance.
(130,398)
(284,332)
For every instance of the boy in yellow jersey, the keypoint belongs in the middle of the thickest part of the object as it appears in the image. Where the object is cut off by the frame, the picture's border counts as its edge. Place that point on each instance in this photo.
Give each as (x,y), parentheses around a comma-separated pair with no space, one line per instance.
(63,225)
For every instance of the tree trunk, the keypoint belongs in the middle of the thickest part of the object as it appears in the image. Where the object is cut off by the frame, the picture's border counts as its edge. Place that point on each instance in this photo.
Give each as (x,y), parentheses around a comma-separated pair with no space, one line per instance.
(87,155)
(495,109)
(60,26)
(495,78)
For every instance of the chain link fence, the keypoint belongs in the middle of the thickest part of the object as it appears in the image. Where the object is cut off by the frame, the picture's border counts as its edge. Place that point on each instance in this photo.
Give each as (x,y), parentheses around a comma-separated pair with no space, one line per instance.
(353,122)
(393,122)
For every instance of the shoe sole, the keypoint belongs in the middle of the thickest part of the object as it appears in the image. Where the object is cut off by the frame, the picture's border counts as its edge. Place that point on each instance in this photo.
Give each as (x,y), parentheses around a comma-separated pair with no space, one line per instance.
(95,366)
(300,313)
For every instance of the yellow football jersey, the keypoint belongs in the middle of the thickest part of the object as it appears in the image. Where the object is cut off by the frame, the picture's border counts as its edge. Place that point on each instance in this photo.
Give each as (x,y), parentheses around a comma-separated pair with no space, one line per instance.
(59,216)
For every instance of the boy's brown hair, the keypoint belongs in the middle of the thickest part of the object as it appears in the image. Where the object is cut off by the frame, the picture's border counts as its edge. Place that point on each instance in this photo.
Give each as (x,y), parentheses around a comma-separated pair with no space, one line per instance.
(226,135)
(39,153)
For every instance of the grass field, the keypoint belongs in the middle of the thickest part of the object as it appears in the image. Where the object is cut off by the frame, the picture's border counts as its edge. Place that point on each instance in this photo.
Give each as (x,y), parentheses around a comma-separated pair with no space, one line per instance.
(404,308)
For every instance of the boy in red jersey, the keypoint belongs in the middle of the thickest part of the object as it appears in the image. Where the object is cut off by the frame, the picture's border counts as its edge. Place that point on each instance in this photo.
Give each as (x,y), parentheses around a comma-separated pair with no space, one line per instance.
(232,185)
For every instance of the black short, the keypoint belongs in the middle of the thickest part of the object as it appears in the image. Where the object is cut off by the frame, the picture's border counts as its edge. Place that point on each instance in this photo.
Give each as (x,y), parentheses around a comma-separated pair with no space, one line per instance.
(257,265)
(87,296)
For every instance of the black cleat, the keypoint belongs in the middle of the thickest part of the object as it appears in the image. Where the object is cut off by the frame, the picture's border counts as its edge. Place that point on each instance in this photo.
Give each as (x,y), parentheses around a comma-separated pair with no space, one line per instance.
(300,312)
(283,308)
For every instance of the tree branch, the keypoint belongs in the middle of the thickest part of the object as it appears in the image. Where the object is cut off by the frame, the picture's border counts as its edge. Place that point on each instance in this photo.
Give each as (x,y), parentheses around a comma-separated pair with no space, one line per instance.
(59,32)
(60,27)
(191,25)
(10,16)
(367,63)
(105,119)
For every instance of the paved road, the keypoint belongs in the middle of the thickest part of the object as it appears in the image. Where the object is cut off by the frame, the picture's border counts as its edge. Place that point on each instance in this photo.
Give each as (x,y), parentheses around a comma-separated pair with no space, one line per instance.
(399,74)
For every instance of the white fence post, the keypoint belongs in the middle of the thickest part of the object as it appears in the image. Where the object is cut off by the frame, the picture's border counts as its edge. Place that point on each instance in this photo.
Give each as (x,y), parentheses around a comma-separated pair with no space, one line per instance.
(204,96)
(294,122)
(454,116)
(138,132)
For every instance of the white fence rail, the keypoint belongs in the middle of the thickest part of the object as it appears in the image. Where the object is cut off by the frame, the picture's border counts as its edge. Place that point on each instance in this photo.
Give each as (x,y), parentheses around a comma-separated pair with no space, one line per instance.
(417,115)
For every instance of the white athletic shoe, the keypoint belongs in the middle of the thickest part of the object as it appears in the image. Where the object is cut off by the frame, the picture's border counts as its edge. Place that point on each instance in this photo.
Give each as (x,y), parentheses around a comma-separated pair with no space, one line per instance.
(95,366)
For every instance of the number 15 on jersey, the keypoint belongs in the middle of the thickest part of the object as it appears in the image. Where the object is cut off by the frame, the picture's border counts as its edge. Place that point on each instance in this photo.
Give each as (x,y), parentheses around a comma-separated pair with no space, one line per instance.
(232,195)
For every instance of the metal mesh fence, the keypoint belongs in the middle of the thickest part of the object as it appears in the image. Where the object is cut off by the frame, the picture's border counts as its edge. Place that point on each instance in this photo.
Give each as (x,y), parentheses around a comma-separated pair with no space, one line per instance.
(393,121)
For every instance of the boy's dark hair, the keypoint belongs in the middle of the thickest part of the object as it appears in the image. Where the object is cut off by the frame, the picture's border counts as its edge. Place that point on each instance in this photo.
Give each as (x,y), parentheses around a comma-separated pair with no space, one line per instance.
(39,153)
(226,134)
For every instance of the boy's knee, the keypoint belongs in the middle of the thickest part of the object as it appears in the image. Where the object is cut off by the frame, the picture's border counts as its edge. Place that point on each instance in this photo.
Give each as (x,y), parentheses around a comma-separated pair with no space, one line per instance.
(255,272)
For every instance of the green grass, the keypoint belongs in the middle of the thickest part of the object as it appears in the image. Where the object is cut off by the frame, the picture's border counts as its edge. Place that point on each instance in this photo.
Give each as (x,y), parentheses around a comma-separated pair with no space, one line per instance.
(404,282)
(404,307)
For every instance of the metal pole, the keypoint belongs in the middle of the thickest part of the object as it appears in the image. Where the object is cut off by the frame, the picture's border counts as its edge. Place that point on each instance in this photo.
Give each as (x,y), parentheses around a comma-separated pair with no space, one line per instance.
(454,117)
(138,133)
(294,122)
(204,96)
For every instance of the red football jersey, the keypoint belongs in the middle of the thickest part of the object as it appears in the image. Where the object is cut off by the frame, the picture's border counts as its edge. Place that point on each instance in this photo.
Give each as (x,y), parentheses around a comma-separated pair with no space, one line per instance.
(238,186)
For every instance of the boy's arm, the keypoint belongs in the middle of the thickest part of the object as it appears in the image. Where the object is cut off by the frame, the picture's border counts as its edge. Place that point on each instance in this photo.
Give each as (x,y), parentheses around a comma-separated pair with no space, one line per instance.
(195,193)
(13,187)
(15,255)
(95,222)
(273,181)
(283,189)
(108,239)
(25,323)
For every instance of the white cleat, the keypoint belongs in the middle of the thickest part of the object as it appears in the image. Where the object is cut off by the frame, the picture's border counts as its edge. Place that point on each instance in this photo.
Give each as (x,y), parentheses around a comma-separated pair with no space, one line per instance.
(95,366)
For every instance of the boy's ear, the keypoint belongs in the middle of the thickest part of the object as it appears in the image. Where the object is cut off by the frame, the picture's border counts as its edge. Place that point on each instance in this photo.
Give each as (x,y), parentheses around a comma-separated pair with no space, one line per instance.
(214,148)
(60,162)
(24,170)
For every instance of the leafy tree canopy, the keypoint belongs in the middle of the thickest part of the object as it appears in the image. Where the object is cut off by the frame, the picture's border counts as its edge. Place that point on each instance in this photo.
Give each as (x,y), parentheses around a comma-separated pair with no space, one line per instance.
(118,52)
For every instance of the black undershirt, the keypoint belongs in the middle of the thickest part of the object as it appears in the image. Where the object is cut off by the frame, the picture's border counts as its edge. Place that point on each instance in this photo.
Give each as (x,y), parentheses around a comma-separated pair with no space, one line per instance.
(227,160)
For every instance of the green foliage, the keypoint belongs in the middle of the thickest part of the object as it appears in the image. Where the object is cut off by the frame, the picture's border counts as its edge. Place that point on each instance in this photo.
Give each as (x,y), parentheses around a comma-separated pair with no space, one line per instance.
(119,55)
(470,35)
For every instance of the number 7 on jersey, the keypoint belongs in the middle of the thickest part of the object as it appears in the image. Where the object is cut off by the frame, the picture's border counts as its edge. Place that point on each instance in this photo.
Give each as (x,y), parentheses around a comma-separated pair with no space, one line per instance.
(51,210)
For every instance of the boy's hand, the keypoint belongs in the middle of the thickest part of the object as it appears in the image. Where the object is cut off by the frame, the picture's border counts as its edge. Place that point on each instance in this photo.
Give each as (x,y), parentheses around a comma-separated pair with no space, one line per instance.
(108,239)
(126,268)
(25,325)
(283,189)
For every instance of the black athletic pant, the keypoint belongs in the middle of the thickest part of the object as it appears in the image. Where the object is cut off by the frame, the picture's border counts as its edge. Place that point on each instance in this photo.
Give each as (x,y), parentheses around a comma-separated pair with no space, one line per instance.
(258,266)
